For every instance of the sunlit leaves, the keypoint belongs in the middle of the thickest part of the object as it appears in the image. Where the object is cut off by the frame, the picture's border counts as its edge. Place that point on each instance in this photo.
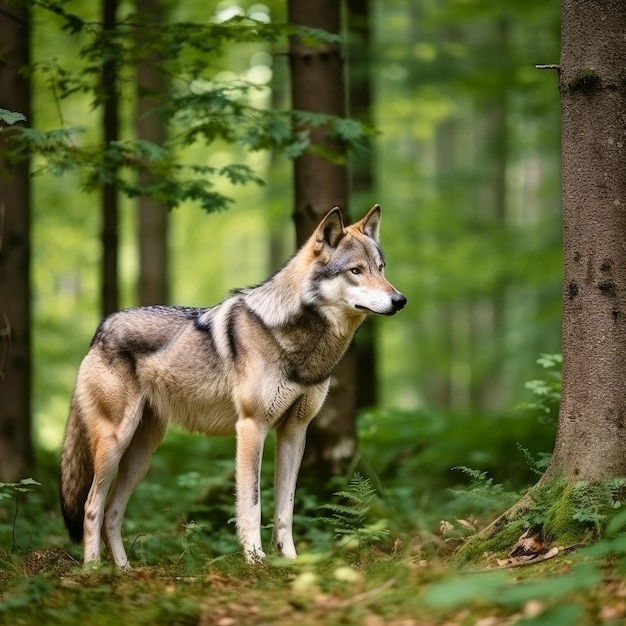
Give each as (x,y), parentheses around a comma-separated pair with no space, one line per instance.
(7,490)
(199,107)
(11,117)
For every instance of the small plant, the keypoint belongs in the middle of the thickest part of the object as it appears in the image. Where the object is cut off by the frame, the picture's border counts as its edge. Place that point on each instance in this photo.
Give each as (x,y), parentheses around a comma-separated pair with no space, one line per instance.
(13,490)
(537,465)
(483,491)
(350,521)
(596,504)
(547,391)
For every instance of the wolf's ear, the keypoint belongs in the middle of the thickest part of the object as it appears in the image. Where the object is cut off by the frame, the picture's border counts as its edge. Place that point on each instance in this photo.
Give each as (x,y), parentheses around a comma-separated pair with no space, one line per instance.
(329,231)
(370,224)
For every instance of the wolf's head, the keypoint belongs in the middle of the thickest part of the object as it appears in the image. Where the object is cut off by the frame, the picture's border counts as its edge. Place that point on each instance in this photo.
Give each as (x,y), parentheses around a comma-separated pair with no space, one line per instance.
(348,273)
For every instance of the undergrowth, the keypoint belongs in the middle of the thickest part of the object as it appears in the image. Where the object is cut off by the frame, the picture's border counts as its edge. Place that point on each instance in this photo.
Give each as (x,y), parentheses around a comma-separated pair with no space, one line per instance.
(376,553)
(560,512)
(351,520)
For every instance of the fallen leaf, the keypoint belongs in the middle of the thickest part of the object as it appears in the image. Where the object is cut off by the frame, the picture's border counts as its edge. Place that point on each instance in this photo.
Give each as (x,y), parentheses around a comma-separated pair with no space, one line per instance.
(613,612)
(528,545)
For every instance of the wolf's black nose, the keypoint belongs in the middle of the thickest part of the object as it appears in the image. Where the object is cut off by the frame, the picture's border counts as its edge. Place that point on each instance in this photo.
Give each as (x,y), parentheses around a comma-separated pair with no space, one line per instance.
(398,301)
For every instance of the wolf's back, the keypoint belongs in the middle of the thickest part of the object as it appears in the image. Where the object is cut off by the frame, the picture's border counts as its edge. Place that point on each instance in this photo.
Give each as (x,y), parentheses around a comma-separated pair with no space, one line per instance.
(76,473)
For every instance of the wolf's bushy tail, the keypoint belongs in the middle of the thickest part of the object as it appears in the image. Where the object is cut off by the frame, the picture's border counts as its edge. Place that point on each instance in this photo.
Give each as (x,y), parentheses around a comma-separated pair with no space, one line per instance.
(76,473)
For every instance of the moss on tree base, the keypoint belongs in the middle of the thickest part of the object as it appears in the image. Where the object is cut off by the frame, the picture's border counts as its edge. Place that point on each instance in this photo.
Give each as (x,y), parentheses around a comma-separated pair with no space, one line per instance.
(559,512)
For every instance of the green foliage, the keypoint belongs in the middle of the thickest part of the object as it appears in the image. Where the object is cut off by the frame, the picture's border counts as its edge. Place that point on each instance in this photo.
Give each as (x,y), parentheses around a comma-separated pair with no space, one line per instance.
(547,390)
(613,543)
(351,522)
(8,490)
(11,117)
(199,107)
(495,589)
(565,513)
(571,512)
(13,490)
(537,465)
(30,591)
(483,492)
(595,504)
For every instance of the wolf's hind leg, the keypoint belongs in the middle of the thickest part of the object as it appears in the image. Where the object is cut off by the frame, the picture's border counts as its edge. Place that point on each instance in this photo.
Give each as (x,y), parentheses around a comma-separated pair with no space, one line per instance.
(106,458)
(132,469)
(108,447)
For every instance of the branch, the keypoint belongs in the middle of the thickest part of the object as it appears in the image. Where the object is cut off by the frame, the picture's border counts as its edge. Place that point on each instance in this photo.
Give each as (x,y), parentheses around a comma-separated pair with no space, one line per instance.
(13,17)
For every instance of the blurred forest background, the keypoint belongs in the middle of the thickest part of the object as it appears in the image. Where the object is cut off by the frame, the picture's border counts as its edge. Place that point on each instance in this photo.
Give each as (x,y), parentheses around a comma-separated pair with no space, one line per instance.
(464,159)
(466,166)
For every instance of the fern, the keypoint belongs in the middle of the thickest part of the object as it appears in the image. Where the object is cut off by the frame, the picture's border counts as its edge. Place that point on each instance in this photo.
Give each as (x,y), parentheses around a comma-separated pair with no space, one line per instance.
(350,521)
(483,490)
(595,504)
(547,390)
(537,465)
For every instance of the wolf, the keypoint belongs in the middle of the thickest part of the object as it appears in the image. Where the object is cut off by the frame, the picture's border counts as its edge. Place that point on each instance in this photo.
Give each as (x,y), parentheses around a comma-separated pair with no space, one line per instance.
(261,359)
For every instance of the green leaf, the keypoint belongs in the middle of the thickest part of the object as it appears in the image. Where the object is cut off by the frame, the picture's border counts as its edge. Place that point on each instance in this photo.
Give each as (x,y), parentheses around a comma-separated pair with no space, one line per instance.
(466,590)
(240,174)
(582,578)
(564,614)
(29,481)
(11,117)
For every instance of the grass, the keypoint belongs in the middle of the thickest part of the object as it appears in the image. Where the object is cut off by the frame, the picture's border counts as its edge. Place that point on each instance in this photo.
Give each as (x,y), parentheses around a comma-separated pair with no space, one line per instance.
(185,573)
(391,588)
(383,552)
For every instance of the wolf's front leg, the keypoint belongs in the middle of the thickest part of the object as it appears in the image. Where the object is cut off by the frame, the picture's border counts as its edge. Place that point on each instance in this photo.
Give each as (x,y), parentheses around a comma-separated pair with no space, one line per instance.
(250,439)
(290,441)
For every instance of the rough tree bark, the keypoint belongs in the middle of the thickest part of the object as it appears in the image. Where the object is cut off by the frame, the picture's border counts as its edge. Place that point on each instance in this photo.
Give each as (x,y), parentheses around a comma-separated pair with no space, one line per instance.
(152,215)
(109,198)
(16,451)
(591,433)
(361,176)
(317,85)
(591,437)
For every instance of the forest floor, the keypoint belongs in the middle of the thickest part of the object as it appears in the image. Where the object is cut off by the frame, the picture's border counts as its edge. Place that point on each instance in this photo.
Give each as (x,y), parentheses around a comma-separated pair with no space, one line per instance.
(375,588)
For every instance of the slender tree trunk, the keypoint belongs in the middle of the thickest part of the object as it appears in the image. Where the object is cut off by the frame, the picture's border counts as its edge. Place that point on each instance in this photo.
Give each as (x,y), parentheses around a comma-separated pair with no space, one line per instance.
(153,215)
(360,100)
(16,451)
(489,315)
(317,85)
(109,199)
(591,436)
(445,162)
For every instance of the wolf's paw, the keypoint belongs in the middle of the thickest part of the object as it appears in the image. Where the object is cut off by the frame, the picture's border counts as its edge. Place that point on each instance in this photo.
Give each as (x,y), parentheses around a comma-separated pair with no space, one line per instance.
(285,548)
(288,555)
(255,556)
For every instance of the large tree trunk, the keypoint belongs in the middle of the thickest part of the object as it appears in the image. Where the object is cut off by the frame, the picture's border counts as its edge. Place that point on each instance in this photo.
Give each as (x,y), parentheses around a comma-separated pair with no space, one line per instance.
(591,436)
(16,452)
(109,199)
(153,215)
(360,100)
(317,85)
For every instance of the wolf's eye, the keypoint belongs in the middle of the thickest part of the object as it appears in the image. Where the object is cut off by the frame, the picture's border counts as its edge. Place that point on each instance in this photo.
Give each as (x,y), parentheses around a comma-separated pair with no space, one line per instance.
(381,267)
(356,270)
